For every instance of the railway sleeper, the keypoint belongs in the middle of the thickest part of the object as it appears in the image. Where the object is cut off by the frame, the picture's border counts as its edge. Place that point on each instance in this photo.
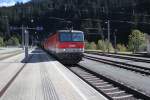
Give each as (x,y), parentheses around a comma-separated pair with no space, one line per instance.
(125,97)
(102,83)
(95,81)
(84,74)
(109,89)
(111,93)
(106,86)
(119,94)
(89,77)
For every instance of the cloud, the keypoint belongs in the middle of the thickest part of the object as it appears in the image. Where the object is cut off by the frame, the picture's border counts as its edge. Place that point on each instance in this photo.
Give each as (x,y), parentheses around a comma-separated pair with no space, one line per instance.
(11,2)
(7,3)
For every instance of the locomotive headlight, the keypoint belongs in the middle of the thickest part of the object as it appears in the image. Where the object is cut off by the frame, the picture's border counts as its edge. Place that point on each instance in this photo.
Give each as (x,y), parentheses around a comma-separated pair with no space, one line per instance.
(64,49)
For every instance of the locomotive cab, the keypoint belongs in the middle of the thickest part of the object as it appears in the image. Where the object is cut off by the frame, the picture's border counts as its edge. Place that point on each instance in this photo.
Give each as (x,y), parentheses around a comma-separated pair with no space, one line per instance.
(70,47)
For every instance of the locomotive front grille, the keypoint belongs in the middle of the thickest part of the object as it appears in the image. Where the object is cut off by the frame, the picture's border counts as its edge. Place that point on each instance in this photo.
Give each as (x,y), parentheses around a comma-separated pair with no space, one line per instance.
(70,50)
(73,50)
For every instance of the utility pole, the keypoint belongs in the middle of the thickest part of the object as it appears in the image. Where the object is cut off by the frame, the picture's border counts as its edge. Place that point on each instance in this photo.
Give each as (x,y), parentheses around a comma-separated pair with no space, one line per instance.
(133,8)
(25,39)
(7,25)
(115,40)
(26,34)
(108,34)
(100,30)
(22,37)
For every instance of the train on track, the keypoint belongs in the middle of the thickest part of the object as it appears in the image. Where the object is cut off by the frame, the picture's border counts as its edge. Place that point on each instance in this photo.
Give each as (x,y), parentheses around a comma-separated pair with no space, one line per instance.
(66,45)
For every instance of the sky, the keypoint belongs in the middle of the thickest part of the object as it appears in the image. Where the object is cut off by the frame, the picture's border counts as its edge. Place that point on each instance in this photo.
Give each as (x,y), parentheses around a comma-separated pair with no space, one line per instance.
(11,2)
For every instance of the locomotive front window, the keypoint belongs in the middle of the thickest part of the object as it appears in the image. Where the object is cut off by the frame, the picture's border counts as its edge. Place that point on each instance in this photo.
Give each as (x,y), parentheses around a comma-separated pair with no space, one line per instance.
(73,37)
(77,37)
(65,37)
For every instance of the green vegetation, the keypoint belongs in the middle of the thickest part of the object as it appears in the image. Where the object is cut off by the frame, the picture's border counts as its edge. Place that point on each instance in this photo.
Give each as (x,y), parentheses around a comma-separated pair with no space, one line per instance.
(92,46)
(101,45)
(110,46)
(121,48)
(87,45)
(1,42)
(137,40)
(13,41)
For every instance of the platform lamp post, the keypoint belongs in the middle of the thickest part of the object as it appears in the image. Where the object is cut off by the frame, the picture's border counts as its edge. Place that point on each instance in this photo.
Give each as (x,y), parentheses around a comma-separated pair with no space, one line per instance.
(22,29)
(32,22)
(103,30)
(108,35)
(26,33)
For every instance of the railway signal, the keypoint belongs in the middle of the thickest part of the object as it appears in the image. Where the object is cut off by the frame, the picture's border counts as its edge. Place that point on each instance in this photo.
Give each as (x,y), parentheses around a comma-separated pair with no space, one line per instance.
(39,28)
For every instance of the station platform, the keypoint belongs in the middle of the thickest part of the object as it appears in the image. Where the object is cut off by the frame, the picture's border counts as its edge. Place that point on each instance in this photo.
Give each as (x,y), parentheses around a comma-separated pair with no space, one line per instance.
(8,68)
(44,78)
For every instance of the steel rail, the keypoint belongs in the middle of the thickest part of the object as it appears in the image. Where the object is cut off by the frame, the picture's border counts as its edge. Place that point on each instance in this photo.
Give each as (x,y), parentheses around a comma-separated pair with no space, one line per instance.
(111,89)
(135,68)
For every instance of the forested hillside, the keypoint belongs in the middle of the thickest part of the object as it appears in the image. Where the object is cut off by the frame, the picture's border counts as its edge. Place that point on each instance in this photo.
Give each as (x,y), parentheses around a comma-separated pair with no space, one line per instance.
(124,15)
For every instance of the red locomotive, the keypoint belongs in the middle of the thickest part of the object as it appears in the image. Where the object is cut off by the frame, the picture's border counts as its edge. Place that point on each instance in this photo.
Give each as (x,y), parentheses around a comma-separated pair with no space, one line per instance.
(66,45)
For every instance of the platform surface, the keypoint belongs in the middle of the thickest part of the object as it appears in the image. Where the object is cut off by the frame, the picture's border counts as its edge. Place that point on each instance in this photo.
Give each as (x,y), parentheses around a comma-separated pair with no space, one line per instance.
(8,68)
(44,78)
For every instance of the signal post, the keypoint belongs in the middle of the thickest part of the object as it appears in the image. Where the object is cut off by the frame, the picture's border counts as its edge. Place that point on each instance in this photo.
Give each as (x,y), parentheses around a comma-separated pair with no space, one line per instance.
(25,38)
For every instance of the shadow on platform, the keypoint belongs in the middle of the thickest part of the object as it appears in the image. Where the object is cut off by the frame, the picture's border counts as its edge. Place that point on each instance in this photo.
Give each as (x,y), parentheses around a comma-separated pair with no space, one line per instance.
(38,56)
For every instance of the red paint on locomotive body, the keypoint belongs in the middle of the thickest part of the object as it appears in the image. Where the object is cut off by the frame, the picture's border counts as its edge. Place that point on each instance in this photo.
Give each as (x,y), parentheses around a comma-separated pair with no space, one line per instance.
(71,45)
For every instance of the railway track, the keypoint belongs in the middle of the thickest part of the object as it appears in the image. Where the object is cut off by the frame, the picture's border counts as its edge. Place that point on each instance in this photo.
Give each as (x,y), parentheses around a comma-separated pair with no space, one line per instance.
(127,57)
(10,54)
(110,88)
(134,68)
